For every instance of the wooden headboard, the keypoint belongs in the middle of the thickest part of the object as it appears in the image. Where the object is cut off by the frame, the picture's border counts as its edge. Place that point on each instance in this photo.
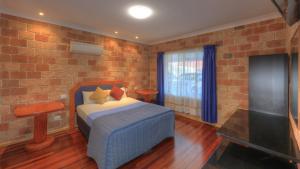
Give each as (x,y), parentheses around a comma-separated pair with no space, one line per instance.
(78,86)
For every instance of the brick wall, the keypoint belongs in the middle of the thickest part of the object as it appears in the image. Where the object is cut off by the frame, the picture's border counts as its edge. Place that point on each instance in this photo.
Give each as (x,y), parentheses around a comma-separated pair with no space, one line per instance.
(235,45)
(35,66)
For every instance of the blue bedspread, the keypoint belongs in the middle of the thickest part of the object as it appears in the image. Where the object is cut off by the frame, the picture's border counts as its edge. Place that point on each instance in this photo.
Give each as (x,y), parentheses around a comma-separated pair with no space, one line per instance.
(120,137)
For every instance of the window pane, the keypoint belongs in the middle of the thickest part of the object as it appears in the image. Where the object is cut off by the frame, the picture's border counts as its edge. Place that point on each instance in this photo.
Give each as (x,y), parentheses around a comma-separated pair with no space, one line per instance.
(183,78)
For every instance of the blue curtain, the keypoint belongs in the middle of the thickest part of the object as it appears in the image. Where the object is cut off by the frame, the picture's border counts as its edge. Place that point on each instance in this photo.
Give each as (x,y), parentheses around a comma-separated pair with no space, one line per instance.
(209,87)
(160,98)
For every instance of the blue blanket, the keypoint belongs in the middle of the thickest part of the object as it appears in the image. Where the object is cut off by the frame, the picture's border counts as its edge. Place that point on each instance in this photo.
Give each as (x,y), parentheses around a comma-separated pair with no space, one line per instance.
(120,137)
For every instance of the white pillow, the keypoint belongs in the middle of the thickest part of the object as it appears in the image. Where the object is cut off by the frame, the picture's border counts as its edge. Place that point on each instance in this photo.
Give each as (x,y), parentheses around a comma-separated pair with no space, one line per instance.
(125,92)
(86,97)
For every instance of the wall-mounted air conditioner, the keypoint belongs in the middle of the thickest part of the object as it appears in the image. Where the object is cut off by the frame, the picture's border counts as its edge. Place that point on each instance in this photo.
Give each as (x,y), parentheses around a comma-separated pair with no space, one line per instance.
(85,48)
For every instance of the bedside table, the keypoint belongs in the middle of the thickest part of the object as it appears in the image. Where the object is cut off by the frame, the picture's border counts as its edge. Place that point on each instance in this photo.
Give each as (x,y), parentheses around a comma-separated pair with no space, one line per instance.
(40,113)
(147,94)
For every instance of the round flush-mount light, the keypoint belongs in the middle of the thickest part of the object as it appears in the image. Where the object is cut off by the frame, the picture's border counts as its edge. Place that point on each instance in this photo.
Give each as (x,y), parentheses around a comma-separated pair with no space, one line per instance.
(140,11)
(41,13)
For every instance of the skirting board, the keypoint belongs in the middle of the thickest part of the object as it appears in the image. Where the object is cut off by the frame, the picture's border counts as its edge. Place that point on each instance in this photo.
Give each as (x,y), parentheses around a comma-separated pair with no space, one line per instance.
(196,118)
(4,144)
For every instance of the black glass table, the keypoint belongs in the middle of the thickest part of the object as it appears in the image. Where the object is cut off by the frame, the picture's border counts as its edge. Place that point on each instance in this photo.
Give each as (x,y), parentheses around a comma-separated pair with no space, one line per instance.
(255,140)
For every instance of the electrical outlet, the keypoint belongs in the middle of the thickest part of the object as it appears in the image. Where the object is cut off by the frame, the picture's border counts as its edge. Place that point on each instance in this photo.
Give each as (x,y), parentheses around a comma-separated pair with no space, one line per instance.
(57,118)
(63,96)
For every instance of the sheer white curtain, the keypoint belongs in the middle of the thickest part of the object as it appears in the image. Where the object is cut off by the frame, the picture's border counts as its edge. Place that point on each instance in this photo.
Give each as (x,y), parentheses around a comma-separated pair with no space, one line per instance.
(183,80)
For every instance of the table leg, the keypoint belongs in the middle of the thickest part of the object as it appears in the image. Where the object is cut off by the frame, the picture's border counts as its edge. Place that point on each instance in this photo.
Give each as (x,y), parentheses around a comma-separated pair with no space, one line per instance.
(147,99)
(40,138)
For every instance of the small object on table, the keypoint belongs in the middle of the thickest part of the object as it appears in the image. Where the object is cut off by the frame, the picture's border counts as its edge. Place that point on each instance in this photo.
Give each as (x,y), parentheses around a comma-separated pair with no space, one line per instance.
(147,94)
(39,112)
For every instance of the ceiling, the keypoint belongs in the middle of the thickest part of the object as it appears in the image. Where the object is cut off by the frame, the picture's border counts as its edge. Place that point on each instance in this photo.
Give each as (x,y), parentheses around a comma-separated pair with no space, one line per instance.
(171,19)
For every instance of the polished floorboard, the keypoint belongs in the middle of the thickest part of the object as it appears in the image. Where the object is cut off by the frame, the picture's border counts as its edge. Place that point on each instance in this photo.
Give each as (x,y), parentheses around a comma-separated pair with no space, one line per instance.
(193,144)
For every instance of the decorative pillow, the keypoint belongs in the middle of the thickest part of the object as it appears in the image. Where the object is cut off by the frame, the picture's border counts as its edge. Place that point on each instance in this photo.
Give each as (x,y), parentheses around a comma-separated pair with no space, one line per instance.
(100,95)
(116,93)
(110,98)
(86,97)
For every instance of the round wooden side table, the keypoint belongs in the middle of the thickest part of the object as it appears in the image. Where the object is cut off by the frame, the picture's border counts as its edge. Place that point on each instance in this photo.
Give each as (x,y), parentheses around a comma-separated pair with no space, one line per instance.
(147,94)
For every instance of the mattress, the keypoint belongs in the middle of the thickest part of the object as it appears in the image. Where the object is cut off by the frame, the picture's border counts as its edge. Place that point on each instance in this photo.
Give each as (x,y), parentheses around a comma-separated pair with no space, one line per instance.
(86,110)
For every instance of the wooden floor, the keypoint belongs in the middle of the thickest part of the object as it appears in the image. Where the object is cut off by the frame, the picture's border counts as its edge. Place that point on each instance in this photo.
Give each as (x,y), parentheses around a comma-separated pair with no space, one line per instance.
(193,144)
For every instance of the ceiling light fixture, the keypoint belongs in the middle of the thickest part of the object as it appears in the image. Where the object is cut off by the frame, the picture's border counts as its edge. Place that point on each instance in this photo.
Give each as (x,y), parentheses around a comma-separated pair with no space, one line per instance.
(140,11)
(41,13)
(116,32)
(136,37)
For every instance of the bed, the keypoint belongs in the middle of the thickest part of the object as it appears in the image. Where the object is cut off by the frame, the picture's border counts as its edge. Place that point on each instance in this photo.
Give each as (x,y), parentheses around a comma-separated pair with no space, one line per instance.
(118,131)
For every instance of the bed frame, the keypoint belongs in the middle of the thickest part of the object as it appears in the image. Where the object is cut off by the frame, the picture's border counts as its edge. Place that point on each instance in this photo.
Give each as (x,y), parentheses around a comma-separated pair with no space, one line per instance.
(76,99)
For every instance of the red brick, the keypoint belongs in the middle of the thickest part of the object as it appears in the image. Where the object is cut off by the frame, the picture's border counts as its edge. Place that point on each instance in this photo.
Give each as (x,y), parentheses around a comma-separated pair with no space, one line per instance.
(254,38)
(42,38)
(17,42)
(222,62)
(245,47)
(9,50)
(62,47)
(5,58)
(4,40)
(205,39)
(55,82)
(8,116)
(34,59)
(19,58)
(232,48)
(10,83)
(18,75)
(18,91)
(34,75)
(246,32)
(92,62)
(4,92)
(233,62)
(9,32)
(275,43)
(280,50)
(252,53)
(27,67)
(42,67)
(72,62)
(26,35)
(244,89)
(4,75)
(219,42)
(82,74)
(3,127)
(237,82)
(49,60)
(40,97)
(240,54)
(239,69)
(240,96)
(261,29)
(276,26)
(228,42)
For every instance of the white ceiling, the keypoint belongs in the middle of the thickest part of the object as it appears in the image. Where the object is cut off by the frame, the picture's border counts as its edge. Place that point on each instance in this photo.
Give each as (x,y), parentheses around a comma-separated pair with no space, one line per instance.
(171,19)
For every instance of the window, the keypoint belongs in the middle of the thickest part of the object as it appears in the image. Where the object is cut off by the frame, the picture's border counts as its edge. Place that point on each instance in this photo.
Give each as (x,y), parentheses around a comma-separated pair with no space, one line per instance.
(183,80)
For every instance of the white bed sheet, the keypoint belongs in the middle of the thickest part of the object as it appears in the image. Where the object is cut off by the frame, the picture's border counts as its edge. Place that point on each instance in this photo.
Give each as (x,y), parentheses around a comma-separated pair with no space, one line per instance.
(86,109)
